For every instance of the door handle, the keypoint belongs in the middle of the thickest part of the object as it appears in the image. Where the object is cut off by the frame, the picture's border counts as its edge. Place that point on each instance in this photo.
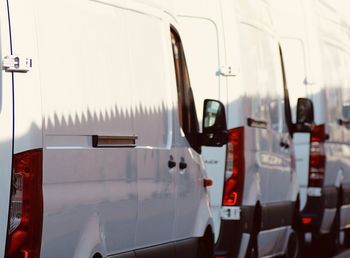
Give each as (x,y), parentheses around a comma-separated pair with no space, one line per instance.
(171,162)
(182,165)
(284,144)
(343,122)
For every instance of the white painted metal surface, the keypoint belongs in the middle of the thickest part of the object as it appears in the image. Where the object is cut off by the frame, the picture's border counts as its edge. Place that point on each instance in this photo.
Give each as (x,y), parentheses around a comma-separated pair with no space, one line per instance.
(6,127)
(239,34)
(100,68)
(323,41)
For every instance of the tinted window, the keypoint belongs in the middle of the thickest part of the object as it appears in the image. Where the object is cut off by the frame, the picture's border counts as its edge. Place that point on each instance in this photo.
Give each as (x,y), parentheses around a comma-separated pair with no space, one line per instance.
(187,110)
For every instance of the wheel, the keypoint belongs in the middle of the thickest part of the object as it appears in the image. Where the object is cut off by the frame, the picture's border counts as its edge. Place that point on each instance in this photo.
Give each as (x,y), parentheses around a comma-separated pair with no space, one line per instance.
(295,244)
(206,245)
(327,245)
(252,249)
(347,238)
(332,239)
(296,239)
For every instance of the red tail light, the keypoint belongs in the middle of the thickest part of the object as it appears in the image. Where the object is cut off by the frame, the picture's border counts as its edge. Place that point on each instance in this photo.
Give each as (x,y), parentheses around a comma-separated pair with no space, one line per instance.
(26,206)
(234,174)
(307,220)
(317,161)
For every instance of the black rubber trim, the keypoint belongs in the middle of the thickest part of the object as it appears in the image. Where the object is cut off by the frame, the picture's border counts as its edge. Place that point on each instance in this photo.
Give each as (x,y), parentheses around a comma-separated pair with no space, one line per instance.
(315,207)
(186,248)
(330,194)
(273,215)
(345,194)
(178,249)
(277,215)
(230,236)
(159,251)
(124,255)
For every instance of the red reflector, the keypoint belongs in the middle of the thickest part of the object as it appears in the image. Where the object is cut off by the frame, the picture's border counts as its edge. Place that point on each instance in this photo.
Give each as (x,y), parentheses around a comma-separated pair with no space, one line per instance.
(307,220)
(26,206)
(220,256)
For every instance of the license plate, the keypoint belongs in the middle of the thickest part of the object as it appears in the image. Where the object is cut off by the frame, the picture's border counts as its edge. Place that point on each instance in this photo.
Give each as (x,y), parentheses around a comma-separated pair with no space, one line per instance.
(231,213)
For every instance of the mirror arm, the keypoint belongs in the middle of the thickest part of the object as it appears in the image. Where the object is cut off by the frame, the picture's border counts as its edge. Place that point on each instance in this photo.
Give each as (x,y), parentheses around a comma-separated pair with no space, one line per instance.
(214,139)
(343,122)
(301,128)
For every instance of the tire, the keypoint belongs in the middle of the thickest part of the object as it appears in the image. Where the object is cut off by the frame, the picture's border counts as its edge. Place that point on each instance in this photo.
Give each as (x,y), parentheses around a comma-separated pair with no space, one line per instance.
(327,245)
(332,239)
(295,244)
(347,238)
(206,245)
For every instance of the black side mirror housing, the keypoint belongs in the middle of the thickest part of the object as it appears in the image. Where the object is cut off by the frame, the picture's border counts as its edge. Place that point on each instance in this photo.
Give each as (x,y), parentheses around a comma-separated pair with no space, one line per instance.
(214,124)
(305,115)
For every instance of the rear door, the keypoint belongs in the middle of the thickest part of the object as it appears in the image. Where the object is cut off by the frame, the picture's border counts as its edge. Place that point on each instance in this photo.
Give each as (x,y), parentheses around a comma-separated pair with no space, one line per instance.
(6,127)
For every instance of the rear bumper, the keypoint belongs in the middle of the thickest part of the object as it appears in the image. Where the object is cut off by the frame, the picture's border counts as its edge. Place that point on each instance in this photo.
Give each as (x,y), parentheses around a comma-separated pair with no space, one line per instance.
(231,232)
(313,214)
(273,215)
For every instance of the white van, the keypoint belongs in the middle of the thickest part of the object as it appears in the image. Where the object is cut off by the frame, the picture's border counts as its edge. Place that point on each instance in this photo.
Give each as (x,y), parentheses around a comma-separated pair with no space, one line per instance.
(316,46)
(99,135)
(233,55)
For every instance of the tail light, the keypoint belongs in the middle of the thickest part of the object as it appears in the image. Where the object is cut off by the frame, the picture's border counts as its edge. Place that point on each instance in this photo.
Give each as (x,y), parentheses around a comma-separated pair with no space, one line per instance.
(317,161)
(26,206)
(234,174)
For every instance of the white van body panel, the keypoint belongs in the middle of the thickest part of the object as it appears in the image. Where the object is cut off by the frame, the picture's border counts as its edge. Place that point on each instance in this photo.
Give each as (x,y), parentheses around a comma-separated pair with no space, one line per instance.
(325,40)
(6,127)
(212,32)
(105,69)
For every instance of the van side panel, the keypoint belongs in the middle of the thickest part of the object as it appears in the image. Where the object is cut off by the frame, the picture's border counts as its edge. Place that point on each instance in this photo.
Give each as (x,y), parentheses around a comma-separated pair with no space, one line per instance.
(6,128)
(152,124)
(90,193)
(28,115)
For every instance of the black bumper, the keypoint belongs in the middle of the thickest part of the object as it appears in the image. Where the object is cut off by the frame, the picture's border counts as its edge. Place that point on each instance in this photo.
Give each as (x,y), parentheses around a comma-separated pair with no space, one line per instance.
(315,207)
(231,231)
(270,216)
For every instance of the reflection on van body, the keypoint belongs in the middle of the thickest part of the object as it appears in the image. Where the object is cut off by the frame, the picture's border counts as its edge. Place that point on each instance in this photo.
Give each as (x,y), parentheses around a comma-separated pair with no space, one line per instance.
(100,106)
(233,55)
(320,39)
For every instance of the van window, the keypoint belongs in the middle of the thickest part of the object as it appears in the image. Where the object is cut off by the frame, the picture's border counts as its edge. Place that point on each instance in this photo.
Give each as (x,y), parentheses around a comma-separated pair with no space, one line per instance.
(295,70)
(287,114)
(260,69)
(253,75)
(186,106)
(346,92)
(204,48)
(334,81)
(269,81)
(150,87)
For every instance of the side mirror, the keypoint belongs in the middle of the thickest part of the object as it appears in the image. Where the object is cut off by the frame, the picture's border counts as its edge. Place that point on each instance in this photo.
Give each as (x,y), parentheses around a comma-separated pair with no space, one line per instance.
(305,115)
(214,124)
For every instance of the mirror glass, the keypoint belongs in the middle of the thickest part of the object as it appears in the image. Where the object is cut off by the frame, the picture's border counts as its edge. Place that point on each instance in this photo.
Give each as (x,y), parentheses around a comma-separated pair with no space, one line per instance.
(214,124)
(305,111)
(346,112)
(211,112)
